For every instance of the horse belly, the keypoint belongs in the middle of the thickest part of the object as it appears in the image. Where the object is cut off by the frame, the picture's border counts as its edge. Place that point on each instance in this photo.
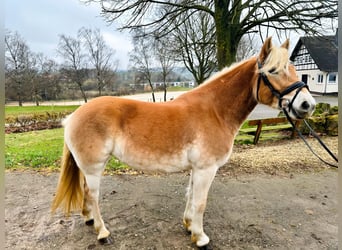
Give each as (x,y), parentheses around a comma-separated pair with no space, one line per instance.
(148,160)
(157,163)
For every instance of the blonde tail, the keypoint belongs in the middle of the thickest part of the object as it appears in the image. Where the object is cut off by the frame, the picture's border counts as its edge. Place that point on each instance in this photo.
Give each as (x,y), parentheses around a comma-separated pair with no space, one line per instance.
(69,193)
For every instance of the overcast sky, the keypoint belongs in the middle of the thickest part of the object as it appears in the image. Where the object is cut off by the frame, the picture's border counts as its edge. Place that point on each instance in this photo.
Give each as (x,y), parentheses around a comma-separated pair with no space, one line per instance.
(40,22)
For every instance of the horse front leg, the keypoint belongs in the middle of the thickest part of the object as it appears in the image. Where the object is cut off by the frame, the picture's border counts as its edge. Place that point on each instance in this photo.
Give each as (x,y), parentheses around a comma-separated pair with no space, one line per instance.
(201,181)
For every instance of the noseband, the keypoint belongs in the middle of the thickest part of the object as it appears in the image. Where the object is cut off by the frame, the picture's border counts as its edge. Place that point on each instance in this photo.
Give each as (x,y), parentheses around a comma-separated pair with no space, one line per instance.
(299,85)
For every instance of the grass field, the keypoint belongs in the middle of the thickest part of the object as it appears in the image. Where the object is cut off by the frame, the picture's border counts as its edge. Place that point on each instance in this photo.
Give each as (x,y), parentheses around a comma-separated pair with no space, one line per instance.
(36,149)
(16,110)
(40,150)
(177,88)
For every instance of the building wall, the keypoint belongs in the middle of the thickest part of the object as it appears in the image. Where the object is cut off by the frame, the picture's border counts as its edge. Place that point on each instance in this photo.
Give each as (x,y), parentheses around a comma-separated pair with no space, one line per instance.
(318,81)
(332,86)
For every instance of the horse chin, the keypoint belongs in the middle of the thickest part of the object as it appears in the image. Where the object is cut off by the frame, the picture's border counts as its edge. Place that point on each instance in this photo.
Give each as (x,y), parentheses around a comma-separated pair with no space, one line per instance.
(298,115)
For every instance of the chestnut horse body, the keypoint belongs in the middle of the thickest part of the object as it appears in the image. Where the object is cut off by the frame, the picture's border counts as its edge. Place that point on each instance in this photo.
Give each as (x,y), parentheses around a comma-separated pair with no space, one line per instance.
(194,132)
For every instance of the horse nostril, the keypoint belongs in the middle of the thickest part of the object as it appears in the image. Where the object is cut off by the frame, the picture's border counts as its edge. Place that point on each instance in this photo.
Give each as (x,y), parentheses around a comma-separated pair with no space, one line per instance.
(305,105)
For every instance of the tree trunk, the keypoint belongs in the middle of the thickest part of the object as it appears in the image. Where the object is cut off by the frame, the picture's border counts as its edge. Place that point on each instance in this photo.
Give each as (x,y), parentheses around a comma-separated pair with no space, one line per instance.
(20,95)
(99,83)
(153,96)
(83,93)
(100,90)
(165,91)
(227,35)
(20,101)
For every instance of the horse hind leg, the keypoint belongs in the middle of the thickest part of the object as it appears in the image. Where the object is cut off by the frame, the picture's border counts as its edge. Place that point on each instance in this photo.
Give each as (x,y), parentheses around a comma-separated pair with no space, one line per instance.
(188,213)
(86,208)
(91,208)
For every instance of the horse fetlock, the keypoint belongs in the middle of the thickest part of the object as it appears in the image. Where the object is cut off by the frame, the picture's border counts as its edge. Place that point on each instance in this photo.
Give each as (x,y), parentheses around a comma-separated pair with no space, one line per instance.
(187,224)
(88,218)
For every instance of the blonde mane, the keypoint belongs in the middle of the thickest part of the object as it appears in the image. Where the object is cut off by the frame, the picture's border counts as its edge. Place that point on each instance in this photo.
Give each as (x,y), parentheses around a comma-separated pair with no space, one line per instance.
(276,61)
(222,72)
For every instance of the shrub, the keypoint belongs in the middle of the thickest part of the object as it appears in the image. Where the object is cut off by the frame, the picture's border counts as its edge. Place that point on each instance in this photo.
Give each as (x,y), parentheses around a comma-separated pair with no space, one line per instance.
(324,120)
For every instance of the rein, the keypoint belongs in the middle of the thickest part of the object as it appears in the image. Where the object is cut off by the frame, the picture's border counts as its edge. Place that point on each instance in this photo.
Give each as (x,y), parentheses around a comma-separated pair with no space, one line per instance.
(299,85)
(312,132)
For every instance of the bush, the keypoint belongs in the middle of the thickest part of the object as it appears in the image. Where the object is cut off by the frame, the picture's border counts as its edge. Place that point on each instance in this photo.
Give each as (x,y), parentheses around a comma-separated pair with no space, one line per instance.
(35,121)
(324,120)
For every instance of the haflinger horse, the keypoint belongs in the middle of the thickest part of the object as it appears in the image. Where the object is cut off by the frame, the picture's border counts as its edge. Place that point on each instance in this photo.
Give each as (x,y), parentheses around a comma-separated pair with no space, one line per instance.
(193,132)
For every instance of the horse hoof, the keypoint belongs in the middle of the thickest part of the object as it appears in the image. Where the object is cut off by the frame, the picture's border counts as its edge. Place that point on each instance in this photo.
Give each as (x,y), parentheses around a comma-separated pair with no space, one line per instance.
(205,247)
(105,241)
(90,222)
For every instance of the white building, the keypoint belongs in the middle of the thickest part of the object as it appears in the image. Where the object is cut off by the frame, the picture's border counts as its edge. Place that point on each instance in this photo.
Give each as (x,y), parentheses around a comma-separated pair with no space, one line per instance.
(316,62)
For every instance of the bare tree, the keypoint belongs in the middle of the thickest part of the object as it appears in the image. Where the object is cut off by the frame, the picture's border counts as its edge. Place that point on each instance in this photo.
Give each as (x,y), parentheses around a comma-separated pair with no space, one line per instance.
(142,58)
(246,48)
(232,18)
(100,55)
(19,65)
(165,59)
(194,42)
(47,79)
(71,51)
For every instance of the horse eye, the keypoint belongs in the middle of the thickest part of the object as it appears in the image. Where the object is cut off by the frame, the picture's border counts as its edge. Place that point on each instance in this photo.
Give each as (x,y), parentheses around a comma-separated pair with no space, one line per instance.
(272,71)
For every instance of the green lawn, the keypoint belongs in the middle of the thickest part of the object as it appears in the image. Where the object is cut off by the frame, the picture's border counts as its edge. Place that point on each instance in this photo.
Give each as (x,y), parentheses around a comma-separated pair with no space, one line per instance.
(16,110)
(177,88)
(40,150)
(36,149)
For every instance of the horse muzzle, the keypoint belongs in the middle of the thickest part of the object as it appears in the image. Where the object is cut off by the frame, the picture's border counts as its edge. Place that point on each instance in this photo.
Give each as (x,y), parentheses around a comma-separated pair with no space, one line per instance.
(299,106)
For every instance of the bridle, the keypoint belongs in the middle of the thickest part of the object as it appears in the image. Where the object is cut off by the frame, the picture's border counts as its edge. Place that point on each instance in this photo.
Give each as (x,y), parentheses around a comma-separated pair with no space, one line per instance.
(299,85)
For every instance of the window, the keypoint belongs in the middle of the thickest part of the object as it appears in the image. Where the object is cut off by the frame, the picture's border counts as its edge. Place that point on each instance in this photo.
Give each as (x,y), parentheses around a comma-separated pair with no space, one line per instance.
(320,79)
(332,78)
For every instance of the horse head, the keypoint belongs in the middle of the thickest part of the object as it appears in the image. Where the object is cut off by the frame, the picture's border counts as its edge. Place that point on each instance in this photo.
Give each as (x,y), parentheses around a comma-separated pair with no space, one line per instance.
(278,85)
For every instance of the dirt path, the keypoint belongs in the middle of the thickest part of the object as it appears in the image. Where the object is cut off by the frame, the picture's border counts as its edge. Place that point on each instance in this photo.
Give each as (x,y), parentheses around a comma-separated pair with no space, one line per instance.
(262,199)
(144,212)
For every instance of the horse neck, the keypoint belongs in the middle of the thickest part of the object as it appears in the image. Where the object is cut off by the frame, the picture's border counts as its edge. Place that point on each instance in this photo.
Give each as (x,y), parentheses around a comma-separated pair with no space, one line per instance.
(232,93)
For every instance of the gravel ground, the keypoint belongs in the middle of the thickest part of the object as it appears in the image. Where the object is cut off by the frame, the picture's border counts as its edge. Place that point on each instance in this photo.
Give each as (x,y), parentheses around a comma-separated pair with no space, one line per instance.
(270,196)
(279,158)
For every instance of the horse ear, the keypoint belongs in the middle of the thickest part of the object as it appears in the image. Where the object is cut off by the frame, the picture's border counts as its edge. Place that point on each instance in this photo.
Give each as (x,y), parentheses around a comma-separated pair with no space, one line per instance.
(286,44)
(265,50)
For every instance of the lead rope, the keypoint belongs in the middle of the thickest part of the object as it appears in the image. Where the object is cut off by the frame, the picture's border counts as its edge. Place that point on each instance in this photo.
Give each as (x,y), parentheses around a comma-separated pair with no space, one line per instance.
(317,138)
